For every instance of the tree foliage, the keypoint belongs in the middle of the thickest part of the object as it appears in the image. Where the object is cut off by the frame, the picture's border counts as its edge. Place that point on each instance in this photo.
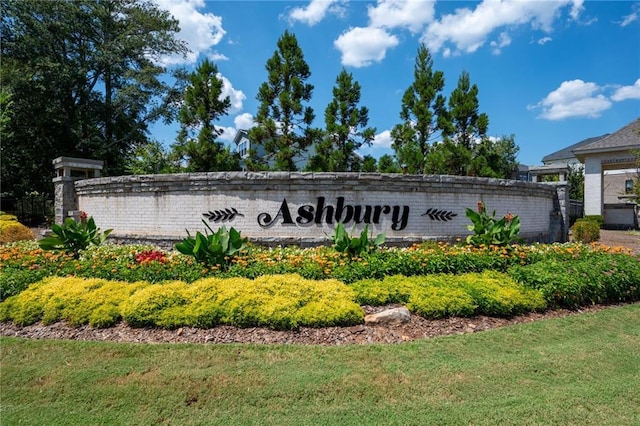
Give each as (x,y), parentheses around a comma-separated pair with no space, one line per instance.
(83,81)
(203,104)
(576,182)
(346,129)
(283,121)
(422,109)
(462,128)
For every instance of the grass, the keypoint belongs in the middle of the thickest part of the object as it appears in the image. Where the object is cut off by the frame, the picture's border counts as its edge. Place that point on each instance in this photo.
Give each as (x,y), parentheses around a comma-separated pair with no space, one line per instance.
(580,370)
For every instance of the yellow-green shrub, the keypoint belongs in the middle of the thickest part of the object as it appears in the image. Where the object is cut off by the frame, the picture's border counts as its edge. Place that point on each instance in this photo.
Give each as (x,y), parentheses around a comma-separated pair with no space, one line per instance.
(72,299)
(440,302)
(439,295)
(282,302)
(11,230)
(153,305)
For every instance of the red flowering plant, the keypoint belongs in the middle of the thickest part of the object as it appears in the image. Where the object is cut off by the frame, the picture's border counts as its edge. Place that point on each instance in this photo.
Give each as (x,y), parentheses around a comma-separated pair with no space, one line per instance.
(491,231)
(150,256)
(72,236)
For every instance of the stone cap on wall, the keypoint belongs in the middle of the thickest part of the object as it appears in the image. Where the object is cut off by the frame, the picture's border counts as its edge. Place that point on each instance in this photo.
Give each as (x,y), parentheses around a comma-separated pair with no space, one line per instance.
(82,167)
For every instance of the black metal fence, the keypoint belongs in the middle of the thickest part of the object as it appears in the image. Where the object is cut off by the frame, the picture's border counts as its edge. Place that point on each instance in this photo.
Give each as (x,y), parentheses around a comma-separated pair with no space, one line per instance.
(32,209)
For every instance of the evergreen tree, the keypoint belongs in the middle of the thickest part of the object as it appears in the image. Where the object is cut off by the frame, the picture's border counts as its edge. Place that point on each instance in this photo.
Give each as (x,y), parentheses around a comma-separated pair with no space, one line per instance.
(462,127)
(283,122)
(369,164)
(388,164)
(421,112)
(197,139)
(346,129)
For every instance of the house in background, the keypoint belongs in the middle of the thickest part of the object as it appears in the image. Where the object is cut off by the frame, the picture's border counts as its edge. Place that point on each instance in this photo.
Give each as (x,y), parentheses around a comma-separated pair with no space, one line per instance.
(557,164)
(244,145)
(610,165)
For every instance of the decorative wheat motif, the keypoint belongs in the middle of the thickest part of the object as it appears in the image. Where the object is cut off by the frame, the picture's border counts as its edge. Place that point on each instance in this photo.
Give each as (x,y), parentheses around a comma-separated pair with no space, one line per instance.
(223,215)
(440,215)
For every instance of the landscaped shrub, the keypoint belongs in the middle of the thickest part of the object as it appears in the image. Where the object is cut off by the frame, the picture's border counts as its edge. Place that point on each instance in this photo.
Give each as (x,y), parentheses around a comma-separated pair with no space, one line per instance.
(217,248)
(597,278)
(75,300)
(352,245)
(11,230)
(72,236)
(279,302)
(598,218)
(440,295)
(585,231)
(488,230)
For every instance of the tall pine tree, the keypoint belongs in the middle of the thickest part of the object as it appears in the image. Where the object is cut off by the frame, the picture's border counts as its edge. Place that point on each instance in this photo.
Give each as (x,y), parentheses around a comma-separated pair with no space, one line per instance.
(346,129)
(463,127)
(197,142)
(422,109)
(283,121)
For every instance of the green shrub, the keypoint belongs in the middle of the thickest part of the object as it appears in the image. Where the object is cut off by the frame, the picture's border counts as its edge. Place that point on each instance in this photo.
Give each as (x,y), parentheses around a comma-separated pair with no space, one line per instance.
(599,219)
(355,246)
(585,231)
(73,236)
(440,302)
(216,248)
(598,278)
(487,230)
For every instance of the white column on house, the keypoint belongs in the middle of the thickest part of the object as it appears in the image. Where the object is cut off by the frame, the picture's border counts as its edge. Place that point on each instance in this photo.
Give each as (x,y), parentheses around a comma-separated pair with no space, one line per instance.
(593,191)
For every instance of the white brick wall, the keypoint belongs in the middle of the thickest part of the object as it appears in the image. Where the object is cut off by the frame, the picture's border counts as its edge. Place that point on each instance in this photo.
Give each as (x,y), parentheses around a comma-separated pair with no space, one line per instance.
(163,206)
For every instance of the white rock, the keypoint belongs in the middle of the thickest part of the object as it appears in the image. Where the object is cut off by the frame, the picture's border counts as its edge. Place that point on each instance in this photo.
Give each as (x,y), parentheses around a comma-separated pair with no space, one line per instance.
(389,317)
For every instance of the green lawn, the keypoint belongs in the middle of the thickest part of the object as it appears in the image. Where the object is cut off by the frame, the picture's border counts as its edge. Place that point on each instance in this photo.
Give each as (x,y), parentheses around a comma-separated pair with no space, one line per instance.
(581,370)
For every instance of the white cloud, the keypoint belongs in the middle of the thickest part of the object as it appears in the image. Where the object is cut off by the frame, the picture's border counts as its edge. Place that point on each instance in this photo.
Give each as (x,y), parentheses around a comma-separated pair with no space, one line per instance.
(201,31)
(468,29)
(315,11)
(382,140)
(627,92)
(237,97)
(544,40)
(215,56)
(577,7)
(363,46)
(228,133)
(630,18)
(503,41)
(409,14)
(574,98)
(244,121)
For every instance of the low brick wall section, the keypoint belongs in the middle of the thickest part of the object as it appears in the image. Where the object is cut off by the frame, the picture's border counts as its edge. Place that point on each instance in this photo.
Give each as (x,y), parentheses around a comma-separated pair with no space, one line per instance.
(303,208)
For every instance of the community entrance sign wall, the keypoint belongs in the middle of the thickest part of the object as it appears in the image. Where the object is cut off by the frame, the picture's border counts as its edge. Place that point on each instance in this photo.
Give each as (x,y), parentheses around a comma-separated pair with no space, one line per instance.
(304,208)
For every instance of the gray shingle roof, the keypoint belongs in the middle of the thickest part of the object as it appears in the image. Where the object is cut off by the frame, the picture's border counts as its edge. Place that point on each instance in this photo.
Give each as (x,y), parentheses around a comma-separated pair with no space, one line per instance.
(626,138)
(567,153)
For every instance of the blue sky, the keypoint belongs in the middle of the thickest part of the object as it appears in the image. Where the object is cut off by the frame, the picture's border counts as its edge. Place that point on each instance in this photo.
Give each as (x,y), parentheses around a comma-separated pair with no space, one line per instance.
(551,73)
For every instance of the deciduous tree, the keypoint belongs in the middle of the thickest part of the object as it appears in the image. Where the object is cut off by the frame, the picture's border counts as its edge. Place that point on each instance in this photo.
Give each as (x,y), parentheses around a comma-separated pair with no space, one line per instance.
(84,82)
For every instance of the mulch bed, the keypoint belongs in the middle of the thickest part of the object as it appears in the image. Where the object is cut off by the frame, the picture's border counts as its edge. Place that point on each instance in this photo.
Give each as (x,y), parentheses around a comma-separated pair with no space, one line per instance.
(416,328)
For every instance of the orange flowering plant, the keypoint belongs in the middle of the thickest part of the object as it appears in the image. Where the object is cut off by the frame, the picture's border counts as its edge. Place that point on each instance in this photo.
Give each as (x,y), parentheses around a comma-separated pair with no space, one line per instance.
(491,231)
